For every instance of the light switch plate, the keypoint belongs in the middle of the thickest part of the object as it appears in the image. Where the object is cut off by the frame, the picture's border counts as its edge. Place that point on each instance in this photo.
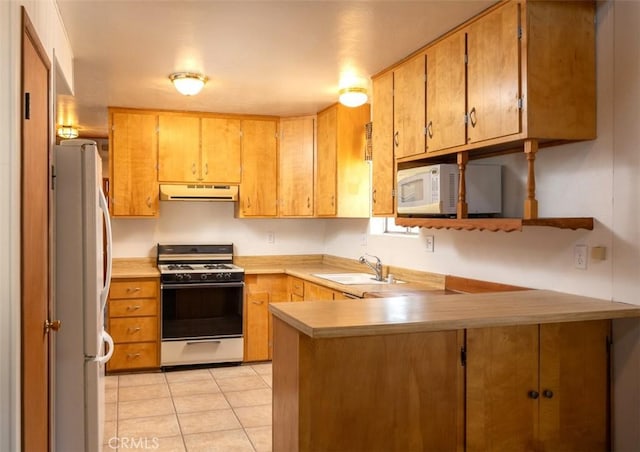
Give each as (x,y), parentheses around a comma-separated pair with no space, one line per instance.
(580,256)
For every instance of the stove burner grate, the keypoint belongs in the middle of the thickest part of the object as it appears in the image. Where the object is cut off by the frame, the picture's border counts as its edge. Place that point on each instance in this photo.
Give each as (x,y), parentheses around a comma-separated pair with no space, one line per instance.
(217,266)
(179,267)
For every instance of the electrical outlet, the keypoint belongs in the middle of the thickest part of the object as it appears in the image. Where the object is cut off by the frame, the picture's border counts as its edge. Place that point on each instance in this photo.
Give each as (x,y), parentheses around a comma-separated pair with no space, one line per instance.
(580,256)
(271,237)
(429,243)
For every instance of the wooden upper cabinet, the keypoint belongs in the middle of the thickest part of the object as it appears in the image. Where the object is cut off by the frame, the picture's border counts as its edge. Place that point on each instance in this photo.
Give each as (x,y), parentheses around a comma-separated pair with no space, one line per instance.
(446,87)
(295,175)
(342,174)
(258,190)
(538,387)
(221,144)
(409,107)
(178,148)
(383,168)
(326,163)
(493,86)
(133,163)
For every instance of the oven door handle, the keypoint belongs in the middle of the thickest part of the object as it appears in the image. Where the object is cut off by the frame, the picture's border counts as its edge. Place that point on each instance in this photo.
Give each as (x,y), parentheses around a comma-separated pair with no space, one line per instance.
(199,285)
(205,341)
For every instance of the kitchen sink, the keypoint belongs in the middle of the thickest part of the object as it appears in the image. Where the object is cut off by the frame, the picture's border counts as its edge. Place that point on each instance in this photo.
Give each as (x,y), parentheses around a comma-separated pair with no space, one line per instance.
(353,278)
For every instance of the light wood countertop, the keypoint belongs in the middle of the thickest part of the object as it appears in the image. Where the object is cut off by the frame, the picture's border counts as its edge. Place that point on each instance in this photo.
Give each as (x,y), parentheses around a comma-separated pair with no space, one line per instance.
(137,267)
(435,312)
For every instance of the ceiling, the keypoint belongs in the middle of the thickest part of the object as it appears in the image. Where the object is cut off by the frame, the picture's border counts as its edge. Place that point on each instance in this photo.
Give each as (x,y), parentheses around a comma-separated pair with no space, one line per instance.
(264,57)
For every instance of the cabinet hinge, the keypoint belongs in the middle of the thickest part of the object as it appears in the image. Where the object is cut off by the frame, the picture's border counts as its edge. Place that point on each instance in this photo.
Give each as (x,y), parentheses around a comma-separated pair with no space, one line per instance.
(466,118)
(425,78)
(519,32)
(520,103)
(53,177)
(157,129)
(466,58)
(425,130)
(463,356)
(393,193)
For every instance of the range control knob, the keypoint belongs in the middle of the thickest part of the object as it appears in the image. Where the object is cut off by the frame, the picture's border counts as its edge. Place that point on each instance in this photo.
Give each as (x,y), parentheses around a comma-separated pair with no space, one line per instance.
(187,277)
(219,275)
(179,277)
(203,276)
(227,276)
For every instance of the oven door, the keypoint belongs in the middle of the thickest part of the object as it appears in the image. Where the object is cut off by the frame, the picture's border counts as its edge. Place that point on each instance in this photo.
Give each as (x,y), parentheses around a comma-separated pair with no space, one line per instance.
(201,311)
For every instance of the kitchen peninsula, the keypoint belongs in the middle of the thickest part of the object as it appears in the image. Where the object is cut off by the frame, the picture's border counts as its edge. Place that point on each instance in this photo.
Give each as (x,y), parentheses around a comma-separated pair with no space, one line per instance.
(493,371)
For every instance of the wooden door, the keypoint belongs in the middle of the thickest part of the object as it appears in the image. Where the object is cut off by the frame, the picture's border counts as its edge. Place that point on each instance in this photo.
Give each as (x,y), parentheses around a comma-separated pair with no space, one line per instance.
(35,244)
(326,162)
(409,107)
(502,369)
(493,86)
(295,175)
(179,148)
(221,150)
(258,191)
(446,93)
(315,292)
(382,193)
(134,158)
(257,326)
(574,386)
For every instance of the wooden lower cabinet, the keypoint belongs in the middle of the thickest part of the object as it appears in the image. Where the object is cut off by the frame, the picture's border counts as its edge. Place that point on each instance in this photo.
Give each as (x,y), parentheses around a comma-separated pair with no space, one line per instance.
(134,323)
(538,387)
(373,393)
(260,290)
(301,290)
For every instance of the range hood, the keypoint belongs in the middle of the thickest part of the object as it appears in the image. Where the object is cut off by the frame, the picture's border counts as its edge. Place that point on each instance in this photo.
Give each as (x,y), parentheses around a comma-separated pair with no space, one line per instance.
(198,192)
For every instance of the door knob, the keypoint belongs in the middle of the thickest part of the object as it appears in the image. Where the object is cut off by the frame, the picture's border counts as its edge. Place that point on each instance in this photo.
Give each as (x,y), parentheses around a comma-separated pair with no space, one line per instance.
(53,325)
(533,394)
(547,393)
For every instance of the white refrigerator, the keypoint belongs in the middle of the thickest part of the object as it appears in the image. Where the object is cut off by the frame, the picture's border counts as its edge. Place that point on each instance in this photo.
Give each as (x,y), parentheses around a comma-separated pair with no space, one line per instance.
(82,346)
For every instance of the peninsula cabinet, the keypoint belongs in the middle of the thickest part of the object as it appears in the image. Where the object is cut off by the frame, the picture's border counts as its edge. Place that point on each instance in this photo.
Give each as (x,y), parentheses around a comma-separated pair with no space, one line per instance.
(295,166)
(538,387)
(260,290)
(198,148)
(367,393)
(382,160)
(342,174)
(259,187)
(133,141)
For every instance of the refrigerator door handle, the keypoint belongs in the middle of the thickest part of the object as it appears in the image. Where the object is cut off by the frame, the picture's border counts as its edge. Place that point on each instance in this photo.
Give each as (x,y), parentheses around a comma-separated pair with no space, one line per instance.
(107,221)
(106,337)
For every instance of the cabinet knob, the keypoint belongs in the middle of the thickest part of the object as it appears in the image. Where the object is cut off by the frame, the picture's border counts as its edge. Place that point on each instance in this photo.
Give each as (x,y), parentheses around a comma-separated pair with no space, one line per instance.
(396,141)
(193,168)
(53,325)
(308,202)
(206,169)
(373,195)
(430,129)
(547,393)
(533,394)
(133,308)
(148,201)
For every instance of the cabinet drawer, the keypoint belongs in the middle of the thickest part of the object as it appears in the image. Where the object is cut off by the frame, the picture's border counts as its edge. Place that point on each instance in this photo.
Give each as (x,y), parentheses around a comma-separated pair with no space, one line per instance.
(134,356)
(134,329)
(134,289)
(297,287)
(133,307)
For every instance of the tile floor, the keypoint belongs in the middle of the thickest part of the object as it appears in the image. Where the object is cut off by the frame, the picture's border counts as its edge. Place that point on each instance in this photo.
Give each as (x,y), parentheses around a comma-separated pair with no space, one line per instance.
(217,409)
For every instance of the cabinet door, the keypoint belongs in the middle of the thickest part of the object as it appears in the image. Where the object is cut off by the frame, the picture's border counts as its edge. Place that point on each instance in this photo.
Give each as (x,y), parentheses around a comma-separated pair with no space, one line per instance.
(179,148)
(502,367)
(382,194)
(221,150)
(574,386)
(315,292)
(134,147)
(409,107)
(326,162)
(295,175)
(257,327)
(493,87)
(446,89)
(258,190)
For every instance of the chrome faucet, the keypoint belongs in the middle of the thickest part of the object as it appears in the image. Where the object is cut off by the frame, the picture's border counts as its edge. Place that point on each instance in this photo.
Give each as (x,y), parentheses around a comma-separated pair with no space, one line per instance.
(377,267)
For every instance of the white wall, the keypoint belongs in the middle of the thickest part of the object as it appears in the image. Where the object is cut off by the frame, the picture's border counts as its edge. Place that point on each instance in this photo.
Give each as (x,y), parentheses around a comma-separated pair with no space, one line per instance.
(213,222)
(45,19)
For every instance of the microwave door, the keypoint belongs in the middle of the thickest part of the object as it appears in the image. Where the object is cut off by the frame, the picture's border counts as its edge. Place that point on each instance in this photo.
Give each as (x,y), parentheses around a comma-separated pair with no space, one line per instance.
(412,191)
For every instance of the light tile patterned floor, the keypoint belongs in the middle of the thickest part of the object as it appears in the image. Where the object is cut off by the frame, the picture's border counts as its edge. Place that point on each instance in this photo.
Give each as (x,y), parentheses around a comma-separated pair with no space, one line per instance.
(218,409)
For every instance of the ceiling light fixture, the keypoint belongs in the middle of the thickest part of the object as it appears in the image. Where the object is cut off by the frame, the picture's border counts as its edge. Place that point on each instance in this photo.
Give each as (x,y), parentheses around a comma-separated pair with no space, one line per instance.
(188,83)
(67,132)
(353,97)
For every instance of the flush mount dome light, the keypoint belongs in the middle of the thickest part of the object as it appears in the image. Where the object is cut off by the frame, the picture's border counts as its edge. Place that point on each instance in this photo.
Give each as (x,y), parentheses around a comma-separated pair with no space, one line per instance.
(188,83)
(68,132)
(353,97)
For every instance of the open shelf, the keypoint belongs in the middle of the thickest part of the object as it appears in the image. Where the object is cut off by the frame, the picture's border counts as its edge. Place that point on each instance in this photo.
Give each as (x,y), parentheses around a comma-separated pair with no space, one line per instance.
(495,224)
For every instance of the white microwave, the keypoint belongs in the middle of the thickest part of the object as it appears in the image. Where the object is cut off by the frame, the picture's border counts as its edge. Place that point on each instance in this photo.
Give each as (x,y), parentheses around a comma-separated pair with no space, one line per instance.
(433,190)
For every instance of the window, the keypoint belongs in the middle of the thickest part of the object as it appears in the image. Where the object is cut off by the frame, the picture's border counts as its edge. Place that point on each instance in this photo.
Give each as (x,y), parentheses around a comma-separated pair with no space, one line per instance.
(393,228)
